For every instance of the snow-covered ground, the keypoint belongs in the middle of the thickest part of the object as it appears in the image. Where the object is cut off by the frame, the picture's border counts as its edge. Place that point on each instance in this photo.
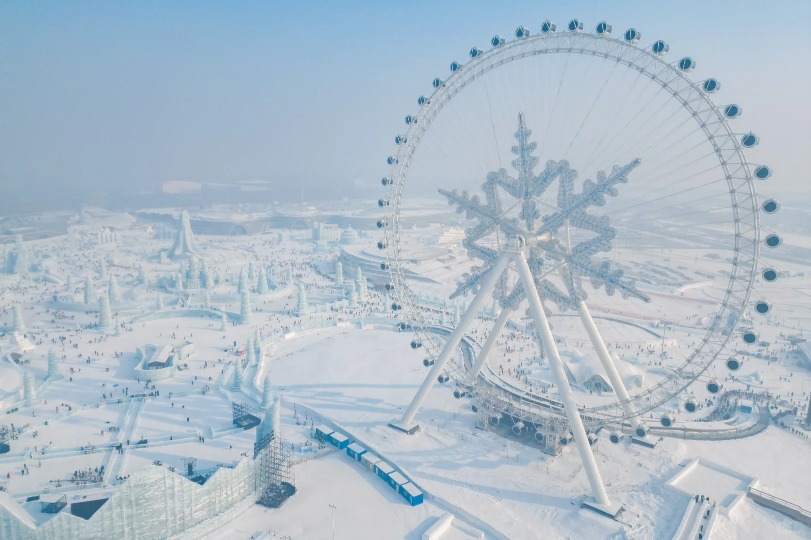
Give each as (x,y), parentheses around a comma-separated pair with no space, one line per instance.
(750,520)
(361,499)
(349,366)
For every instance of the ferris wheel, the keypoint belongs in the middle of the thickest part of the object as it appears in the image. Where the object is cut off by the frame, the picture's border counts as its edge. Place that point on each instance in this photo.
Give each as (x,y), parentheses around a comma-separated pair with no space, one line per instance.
(607,201)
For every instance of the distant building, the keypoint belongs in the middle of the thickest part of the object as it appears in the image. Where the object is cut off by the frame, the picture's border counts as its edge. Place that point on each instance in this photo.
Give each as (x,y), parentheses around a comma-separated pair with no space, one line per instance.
(451,235)
(326,232)
(372,263)
(349,236)
(161,357)
(107,236)
(159,363)
(585,371)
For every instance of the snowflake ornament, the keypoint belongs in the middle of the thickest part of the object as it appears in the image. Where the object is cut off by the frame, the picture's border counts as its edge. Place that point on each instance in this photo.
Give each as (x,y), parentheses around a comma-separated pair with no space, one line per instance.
(545,227)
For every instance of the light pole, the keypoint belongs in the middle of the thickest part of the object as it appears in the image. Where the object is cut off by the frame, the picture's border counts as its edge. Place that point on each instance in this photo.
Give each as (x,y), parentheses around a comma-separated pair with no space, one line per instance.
(333,520)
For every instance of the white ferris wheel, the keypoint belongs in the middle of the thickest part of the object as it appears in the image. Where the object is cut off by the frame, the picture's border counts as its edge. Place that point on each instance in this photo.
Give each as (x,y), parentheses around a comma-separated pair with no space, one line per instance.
(608,208)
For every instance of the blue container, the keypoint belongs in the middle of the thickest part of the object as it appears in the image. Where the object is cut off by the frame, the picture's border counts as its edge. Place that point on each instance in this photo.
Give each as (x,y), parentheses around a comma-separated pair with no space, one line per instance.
(323,433)
(339,440)
(355,451)
(412,494)
(383,470)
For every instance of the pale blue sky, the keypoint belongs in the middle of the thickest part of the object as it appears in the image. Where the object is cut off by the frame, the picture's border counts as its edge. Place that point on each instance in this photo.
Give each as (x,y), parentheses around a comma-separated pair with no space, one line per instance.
(122,96)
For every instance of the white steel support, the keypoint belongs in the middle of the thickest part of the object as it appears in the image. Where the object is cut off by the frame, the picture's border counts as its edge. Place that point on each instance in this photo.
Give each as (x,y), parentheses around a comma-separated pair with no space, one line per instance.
(498,326)
(608,362)
(487,286)
(564,390)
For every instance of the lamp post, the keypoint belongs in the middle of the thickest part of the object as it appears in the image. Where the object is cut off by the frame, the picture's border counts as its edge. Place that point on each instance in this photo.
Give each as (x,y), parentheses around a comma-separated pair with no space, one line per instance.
(332,506)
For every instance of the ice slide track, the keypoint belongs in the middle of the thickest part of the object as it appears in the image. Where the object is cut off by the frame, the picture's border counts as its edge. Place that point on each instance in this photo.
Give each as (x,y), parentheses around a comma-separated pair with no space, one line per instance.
(698,520)
(116,460)
(712,434)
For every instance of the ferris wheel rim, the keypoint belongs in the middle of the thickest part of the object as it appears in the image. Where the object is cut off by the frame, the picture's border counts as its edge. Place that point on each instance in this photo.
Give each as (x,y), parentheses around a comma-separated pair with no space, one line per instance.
(728,150)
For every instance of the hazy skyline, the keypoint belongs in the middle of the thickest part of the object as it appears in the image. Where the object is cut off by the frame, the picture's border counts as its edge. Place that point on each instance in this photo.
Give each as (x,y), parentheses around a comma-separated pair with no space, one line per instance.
(100,99)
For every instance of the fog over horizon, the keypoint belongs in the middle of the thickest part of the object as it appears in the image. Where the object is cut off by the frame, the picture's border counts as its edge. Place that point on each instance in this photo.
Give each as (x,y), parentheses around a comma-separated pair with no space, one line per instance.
(116,105)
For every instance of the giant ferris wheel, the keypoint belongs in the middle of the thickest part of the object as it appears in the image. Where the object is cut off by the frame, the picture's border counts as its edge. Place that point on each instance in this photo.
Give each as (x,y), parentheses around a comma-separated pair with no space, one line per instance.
(606,200)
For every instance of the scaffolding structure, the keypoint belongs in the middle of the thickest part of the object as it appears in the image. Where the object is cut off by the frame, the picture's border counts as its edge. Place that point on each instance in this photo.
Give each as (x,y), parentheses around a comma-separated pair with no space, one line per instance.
(5,435)
(508,420)
(275,479)
(245,416)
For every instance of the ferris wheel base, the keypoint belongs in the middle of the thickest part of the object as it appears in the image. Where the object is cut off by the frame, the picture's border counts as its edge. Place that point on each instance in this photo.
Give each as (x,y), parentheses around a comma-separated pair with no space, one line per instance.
(611,509)
(647,441)
(409,429)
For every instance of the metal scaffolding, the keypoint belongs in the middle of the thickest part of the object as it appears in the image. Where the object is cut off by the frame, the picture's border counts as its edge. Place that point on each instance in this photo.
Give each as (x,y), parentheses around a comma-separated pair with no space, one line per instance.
(244,415)
(275,479)
(500,416)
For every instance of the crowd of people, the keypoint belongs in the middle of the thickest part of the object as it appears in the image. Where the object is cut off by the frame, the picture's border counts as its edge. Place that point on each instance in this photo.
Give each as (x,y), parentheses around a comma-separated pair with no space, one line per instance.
(88,476)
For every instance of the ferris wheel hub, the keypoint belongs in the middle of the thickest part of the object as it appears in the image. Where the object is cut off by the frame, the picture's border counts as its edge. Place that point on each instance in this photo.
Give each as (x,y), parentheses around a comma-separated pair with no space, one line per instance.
(517,243)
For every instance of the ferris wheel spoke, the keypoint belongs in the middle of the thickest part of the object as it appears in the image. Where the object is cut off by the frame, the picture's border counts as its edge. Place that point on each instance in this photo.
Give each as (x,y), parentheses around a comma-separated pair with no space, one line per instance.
(602,150)
(554,106)
(598,152)
(591,108)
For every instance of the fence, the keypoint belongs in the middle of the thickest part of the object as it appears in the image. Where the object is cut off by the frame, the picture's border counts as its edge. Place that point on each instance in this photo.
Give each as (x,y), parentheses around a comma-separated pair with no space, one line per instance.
(794,511)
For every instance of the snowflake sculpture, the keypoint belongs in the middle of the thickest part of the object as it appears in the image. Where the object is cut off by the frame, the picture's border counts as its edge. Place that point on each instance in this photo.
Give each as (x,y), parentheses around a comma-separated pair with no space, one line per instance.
(548,239)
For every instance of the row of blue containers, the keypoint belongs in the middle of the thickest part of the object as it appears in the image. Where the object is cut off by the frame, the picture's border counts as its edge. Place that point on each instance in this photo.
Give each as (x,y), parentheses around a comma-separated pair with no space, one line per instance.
(397,481)
(332,437)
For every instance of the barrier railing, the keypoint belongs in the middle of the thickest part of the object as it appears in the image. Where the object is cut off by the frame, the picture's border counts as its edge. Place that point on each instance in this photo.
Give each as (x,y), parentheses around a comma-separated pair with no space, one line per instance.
(782,502)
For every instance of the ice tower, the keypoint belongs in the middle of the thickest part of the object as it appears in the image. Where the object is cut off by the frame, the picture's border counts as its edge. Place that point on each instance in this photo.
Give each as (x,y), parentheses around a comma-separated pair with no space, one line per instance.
(361,284)
(245,311)
(236,384)
(262,286)
(267,396)
(339,272)
(184,244)
(301,306)
(112,290)
(89,290)
(105,317)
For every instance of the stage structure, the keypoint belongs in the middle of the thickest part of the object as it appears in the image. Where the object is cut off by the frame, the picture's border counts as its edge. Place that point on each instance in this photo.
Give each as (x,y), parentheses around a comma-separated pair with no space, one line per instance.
(671,181)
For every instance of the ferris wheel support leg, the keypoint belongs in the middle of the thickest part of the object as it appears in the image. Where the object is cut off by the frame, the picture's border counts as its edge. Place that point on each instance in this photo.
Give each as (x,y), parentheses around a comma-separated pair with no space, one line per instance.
(498,326)
(608,362)
(564,390)
(487,286)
